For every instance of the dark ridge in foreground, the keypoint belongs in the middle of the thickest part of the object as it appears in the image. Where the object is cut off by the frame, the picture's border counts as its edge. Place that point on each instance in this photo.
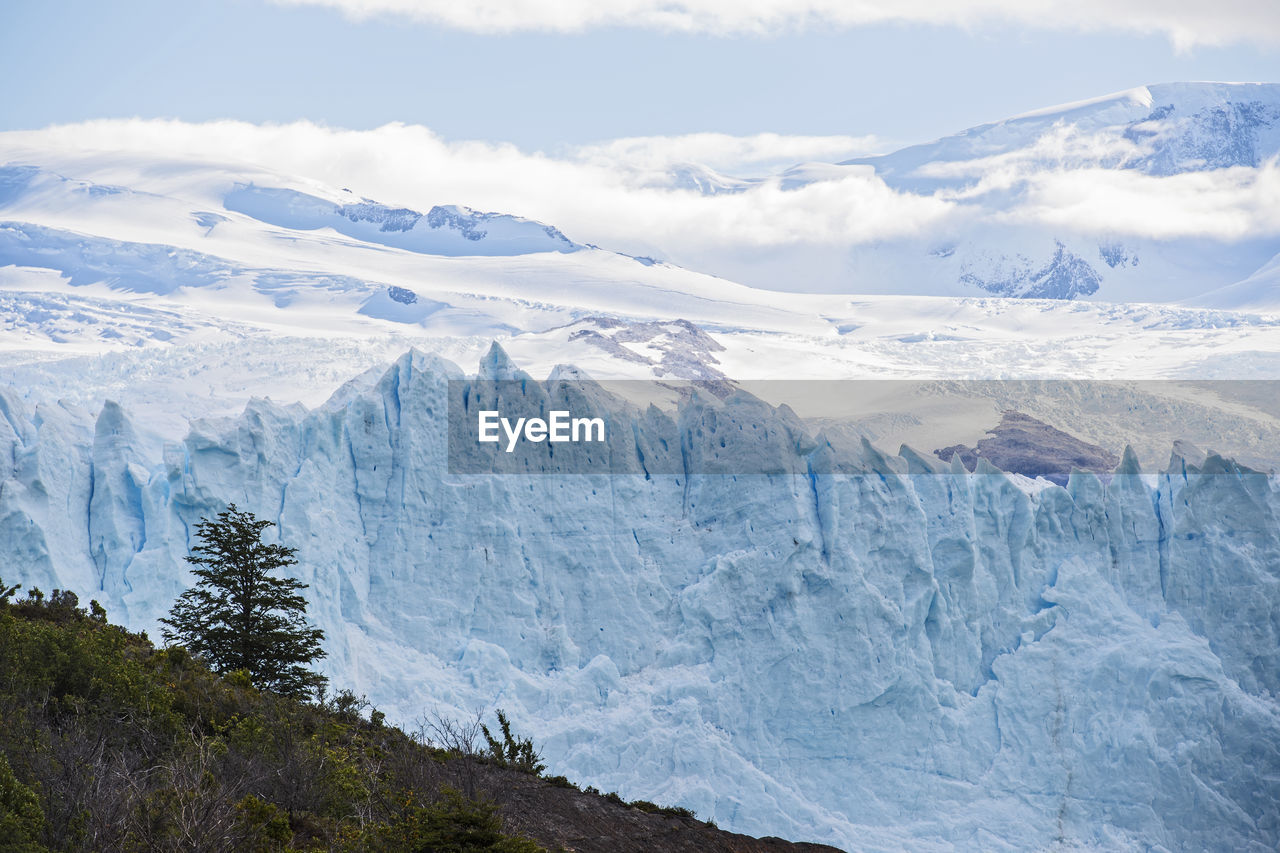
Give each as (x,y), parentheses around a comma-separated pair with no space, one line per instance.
(110,744)
(568,819)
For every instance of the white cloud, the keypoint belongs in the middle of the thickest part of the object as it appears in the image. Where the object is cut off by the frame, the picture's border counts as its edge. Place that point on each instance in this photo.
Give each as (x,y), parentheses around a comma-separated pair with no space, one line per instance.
(1062,148)
(761,154)
(1185,22)
(1225,204)
(609,194)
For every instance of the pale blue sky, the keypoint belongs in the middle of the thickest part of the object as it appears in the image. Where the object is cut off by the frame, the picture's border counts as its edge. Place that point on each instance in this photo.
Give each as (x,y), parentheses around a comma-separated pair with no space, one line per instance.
(69,60)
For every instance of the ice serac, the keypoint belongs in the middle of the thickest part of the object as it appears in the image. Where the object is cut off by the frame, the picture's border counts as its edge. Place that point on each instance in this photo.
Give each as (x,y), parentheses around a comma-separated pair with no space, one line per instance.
(45,452)
(879,651)
(117,478)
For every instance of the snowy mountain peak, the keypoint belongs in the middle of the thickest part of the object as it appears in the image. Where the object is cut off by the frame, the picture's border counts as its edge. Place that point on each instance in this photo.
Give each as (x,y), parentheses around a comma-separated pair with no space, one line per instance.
(1065,275)
(443,230)
(1161,129)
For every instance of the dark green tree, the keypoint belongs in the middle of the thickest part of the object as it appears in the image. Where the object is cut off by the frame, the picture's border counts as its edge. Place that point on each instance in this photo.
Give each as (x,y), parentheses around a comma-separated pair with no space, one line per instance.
(239,616)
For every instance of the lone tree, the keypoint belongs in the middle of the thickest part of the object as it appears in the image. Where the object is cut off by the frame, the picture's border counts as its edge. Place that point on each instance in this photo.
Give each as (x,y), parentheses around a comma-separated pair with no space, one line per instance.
(239,617)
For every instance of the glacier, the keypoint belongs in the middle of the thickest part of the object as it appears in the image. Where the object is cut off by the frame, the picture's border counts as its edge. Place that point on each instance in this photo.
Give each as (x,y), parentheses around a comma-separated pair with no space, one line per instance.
(874,650)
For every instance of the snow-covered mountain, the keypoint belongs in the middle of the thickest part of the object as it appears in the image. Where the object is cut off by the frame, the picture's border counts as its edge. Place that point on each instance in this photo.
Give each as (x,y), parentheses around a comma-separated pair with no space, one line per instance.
(444,230)
(1164,193)
(1107,199)
(227,243)
(1166,129)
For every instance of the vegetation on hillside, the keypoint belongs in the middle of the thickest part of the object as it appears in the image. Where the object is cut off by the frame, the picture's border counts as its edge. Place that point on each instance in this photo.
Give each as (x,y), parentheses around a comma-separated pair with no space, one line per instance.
(109,743)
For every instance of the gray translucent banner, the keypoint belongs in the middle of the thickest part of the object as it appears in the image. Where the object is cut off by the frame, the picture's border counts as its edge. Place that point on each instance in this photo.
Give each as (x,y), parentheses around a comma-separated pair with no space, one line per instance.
(1039,429)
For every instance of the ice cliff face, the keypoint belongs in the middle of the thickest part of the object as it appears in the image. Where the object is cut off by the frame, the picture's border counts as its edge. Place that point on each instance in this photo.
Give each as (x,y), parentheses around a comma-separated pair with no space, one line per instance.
(879,652)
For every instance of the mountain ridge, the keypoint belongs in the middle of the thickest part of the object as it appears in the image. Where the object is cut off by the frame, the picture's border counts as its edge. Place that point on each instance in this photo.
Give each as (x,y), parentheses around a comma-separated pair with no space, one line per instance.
(1006,195)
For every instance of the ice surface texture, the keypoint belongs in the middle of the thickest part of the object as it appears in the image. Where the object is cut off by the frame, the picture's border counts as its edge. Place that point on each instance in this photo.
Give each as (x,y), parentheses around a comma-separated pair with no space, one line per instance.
(903,656)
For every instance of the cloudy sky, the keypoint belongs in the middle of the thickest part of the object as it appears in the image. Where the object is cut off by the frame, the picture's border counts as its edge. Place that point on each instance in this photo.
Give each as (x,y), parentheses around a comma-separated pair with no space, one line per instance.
(550,74)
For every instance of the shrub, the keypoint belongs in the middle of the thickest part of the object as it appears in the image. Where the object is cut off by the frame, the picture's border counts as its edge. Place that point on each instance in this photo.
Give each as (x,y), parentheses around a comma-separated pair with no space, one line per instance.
(455,824)
(515,753)
(21,818)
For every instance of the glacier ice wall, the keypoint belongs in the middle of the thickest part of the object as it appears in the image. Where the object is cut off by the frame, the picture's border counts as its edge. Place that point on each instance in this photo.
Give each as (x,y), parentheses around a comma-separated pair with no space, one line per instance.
(897,655)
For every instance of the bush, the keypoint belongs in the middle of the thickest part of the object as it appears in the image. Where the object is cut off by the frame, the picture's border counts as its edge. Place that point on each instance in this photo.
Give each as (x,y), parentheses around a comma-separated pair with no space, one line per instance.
(21,818)
(515,753)
(669,811)
(452,825)
(559,782)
